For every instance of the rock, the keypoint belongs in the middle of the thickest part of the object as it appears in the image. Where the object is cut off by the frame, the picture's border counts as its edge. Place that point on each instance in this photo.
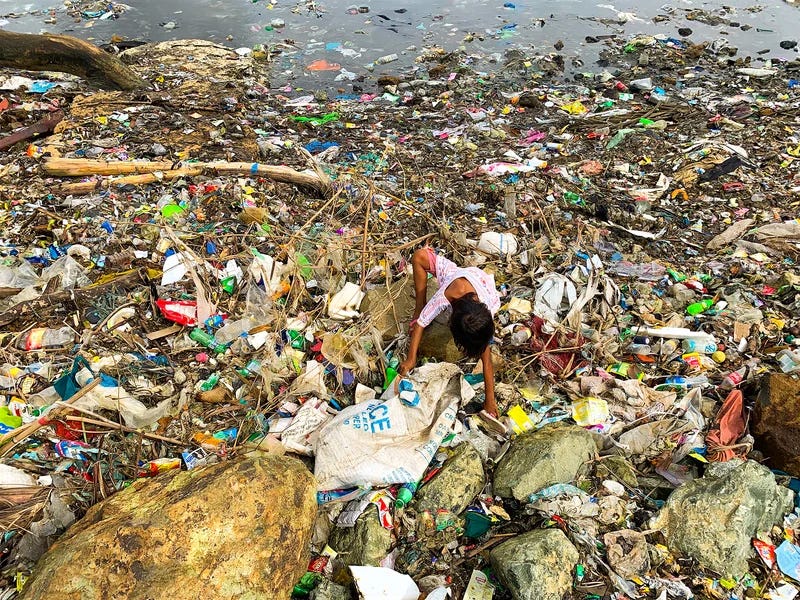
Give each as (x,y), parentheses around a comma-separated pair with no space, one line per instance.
(366,543)
(788,44)
(776,422)
(554,454)
(327,590)
(537,565)
(391,308)
(388,80)
(617,467)
(684,32)
(237,529)
(437,342)
(456,485)
(714,518)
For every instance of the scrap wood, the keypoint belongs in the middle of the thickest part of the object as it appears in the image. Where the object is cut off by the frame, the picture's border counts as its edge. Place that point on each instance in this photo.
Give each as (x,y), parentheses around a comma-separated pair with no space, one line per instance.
(79,167)
(86,187)
(45,125)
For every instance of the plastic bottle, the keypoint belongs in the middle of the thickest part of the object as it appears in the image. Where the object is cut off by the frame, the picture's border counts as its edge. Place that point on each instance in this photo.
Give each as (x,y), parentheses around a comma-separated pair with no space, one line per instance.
(405,493)
(234,329)
(689,382)
(735,378)
(640,349)
(207,340)
(699,345)
(391,371)
(210,383)
(386,59)
(43,338)
(699,307)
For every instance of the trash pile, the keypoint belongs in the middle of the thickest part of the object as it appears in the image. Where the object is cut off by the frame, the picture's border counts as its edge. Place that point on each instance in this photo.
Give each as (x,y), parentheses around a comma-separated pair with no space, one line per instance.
(213,268)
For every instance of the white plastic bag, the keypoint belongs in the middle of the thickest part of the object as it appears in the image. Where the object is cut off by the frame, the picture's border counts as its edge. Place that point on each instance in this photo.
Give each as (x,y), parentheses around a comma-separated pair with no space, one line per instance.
(554,297)
(344,304)
(376,443)
(110,396)
(498,244)
(301,433)
(380,583)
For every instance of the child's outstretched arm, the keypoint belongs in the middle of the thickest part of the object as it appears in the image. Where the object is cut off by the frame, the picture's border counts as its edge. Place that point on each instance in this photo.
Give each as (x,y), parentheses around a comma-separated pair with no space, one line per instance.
(489,403)
(420,263)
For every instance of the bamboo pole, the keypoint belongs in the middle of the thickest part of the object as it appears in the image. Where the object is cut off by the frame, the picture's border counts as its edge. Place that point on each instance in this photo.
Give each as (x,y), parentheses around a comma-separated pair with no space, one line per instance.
(86,187)
(79,167)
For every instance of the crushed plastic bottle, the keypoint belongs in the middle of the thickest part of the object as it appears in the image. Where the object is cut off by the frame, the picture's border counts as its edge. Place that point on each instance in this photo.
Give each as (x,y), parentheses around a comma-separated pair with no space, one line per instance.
(43,338)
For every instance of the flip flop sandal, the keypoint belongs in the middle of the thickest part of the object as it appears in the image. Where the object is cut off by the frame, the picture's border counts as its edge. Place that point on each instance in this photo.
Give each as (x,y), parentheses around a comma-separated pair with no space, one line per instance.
(492,423)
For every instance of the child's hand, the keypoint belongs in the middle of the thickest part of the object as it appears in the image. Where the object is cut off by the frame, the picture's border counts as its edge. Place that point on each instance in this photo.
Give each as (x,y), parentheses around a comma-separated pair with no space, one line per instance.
(405,367)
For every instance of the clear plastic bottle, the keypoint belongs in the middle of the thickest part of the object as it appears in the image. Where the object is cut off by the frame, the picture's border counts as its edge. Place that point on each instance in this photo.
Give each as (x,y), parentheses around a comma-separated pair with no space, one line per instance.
(699,345)
(735,378)
(234,329)
(44,338)
(689,382)
(207,340)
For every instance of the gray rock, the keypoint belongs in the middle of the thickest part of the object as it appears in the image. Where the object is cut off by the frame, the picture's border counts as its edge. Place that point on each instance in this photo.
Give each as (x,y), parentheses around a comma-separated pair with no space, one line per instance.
(537,565)
(327,590)
(367,543)
(456,485)
(391,308)
(714,518)
(437,342)
(554,454)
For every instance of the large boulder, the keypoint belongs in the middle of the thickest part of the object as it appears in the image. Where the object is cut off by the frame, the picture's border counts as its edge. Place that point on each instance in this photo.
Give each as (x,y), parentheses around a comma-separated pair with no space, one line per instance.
(456,485)
(776,422)
(713,519)
(390,308)
(437,342)
(366,543)
(554,454)
(328,590)
(237,529)
(537,565)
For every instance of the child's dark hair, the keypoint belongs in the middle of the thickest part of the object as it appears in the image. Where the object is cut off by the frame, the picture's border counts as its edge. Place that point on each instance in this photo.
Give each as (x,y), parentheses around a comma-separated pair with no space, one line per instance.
(471,324)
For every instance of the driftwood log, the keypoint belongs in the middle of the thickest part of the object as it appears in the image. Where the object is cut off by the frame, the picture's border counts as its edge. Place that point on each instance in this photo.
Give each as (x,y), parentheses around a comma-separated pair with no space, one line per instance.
(45,125)
(79,167)
(67,54)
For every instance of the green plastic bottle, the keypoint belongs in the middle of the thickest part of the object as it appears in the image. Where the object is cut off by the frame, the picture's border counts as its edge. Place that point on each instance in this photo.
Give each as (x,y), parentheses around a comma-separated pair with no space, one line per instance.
(699,307)
(207,340)
(391,371)
(405,493)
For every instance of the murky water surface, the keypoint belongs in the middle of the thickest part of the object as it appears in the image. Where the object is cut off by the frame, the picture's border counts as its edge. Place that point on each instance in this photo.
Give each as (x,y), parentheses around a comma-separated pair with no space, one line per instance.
(348,38)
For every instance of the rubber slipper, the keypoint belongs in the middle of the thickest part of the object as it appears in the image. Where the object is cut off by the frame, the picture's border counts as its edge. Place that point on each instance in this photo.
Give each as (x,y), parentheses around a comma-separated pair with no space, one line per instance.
(492,423)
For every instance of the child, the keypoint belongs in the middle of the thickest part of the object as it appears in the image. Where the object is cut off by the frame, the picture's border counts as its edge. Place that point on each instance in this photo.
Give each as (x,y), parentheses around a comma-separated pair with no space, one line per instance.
(470,296)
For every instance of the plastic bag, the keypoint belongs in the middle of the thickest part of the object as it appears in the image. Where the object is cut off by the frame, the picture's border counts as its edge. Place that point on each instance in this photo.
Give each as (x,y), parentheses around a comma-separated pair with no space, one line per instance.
(110,396)
(344,304)
(377,443)
(20,275)
(73,275)
(300,435)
